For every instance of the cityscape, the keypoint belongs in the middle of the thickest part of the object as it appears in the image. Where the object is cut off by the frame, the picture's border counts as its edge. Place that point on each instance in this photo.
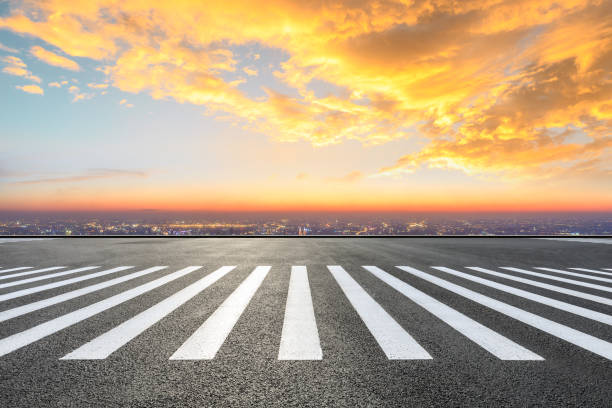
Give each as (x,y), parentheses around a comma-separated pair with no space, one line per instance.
(310,225)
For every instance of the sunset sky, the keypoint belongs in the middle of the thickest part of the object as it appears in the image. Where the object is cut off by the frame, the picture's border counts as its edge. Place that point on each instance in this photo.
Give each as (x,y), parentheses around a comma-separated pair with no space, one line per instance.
(434,105)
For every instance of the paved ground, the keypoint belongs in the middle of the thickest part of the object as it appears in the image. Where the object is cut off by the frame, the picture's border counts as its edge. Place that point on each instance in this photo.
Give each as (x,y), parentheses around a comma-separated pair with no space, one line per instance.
(381,336)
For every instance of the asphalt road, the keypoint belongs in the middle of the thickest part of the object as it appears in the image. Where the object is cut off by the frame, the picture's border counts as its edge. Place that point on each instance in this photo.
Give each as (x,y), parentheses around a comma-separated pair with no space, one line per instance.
(371,339)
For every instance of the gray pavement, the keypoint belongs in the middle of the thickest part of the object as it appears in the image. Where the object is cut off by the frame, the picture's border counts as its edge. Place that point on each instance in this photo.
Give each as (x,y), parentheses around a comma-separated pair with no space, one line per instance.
(417,336)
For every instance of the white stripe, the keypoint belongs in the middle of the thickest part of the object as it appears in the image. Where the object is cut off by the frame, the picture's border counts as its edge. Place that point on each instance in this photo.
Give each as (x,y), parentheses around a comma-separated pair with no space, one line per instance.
(559,289)
(567,307)
(300,336)
(52,285)
(21,268)
(590,240)
(29,336)
(21,310)
(395,342)
(50,276)
(496,344)
(11,240)
(15,275)
(578,338)
(579,275)
(109,342)
(556,278)
(210,336)
(592,271)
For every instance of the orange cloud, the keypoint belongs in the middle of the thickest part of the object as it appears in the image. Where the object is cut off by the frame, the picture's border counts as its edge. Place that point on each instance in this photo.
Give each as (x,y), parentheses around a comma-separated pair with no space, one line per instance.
(90,175)
(15,66)
(78,95)
(8,49)
(97,86)
(496,87)
(33,89)
(349,178)
(52,58)
(125,103)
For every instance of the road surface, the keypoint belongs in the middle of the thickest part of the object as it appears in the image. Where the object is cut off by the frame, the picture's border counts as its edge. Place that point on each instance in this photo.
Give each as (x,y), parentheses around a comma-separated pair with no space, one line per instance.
(305,322)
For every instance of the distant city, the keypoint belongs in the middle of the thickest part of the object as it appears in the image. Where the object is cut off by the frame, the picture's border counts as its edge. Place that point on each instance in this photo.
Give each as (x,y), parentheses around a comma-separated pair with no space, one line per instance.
(305,225)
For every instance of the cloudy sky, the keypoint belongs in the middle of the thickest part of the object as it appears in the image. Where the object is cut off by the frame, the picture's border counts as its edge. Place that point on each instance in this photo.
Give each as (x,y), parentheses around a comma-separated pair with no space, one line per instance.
(306,105)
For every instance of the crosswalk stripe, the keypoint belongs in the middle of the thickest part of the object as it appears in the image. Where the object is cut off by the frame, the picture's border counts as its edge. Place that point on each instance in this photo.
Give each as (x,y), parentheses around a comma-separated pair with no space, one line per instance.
(300,336)
(45,277)
(578,275)
(578,338)
(396,343)
(567,307)
(592,271)
(30,307)
(29,336)
(104,345)
(21,268)
(16,275)
(52,285)
(558,289)
(206,341)
(556,278)
(496,344)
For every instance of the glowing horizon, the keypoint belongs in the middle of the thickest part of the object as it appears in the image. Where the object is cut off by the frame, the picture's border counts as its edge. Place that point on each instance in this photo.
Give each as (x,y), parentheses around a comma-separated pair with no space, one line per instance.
(388,105)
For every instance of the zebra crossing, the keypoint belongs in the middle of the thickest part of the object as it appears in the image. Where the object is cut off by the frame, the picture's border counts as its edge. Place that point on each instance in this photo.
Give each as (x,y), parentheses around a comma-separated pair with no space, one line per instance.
(300,338)
(300,335)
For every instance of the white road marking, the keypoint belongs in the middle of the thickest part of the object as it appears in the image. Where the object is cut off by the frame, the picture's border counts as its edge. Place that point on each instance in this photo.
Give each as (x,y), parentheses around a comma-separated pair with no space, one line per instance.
(395,342)
(13,240)
(587,240)
(559,289)
(578,275)
(29,336)
(45,277)
(496,344)
(206,341)
(578,338)
(109,342)
(592,271)
(300,336)
(556,278)
(52,285)
(21,268)
(30,307)
(567,307)
(16,275)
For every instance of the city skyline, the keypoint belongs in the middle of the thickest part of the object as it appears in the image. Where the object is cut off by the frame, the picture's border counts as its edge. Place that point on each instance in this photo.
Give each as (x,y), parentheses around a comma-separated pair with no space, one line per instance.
(305,224)
(306,106)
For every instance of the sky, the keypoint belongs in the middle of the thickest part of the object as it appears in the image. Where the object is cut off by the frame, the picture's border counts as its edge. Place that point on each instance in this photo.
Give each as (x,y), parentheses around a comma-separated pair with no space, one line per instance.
(346,105)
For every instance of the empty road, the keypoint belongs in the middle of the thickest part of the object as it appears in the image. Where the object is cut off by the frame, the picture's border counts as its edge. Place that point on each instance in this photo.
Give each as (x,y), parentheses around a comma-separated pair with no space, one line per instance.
(315,322)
